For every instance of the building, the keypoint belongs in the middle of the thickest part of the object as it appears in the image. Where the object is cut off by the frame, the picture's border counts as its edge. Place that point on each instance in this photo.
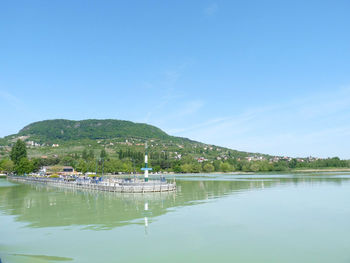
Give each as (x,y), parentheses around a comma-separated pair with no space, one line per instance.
(60,170)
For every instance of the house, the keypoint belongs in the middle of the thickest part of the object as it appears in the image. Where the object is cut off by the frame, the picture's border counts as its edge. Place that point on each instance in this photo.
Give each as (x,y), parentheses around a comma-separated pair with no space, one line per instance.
(201,159)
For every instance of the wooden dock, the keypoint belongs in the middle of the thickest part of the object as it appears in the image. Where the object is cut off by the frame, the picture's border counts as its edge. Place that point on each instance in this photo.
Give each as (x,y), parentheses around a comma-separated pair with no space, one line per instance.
(116,185)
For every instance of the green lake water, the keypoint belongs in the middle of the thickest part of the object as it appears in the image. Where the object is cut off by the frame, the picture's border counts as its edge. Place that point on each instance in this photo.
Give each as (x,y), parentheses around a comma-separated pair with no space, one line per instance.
(211,218)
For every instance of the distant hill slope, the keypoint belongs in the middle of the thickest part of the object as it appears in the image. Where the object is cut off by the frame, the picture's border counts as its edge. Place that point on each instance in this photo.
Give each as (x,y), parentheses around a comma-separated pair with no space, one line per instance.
(113,135)
(66,130)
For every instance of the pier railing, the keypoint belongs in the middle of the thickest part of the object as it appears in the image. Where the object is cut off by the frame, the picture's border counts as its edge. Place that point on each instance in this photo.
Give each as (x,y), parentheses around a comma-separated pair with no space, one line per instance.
(110,185)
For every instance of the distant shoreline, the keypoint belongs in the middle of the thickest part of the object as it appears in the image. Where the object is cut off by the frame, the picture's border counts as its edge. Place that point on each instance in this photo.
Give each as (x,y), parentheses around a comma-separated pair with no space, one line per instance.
(237,172)
(272,172)
(323,170)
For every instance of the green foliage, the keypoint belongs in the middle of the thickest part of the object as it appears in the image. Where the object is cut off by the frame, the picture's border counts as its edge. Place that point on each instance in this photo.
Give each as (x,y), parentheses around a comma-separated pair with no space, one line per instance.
(324,163)
(208,168)
(82,166)
(94,175)
(91,155)
(216,165)
(280,166)
(103,154)
(18,151)
(6,165)
(53,130)
(226,167)
(137,156)
(186,168)
(24,166)
(39,162)
(121,146)
(293,163)
(84,155)
(67,161)
(177,168)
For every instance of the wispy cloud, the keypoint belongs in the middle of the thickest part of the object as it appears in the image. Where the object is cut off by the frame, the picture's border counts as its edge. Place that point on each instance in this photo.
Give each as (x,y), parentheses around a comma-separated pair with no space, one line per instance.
(10,99)
(164,100)
(189,108)
(211,9)
(313,125)
(166,91)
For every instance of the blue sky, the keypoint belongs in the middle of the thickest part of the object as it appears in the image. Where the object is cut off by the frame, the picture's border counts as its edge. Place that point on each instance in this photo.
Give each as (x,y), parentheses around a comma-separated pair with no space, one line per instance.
(261,76)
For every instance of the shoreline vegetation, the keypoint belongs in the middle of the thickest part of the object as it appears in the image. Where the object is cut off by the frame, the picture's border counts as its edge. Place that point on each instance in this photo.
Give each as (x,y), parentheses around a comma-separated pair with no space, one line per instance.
(130,162)
(293,171)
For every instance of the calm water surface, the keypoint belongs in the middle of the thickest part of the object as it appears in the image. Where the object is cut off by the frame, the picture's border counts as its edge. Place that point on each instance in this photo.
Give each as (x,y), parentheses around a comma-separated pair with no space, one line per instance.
(211,218)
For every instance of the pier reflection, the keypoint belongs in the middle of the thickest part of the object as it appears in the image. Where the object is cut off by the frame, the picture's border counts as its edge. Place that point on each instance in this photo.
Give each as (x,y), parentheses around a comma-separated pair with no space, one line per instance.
(46,206)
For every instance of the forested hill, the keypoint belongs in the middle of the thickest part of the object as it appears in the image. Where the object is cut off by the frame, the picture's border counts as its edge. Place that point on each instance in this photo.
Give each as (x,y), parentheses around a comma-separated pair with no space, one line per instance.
(122,145)
(61,138)
(65,130)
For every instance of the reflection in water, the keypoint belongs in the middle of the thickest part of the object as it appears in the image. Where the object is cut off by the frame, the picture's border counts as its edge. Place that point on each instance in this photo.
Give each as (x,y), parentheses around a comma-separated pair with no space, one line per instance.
(47,206)
(146,218)
(44,257)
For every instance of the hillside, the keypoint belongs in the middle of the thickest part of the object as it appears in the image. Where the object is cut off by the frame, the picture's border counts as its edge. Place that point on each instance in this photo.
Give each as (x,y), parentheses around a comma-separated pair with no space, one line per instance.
(65,130)
(121,145)
(113,135)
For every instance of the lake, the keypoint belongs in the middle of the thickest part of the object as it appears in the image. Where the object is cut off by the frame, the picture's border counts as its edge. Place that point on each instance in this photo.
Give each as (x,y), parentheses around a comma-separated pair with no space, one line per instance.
(211,218)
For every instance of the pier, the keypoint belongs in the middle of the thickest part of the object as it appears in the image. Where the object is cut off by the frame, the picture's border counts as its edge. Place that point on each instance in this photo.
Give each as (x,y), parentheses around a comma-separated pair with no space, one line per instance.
(117,185)
(109,185)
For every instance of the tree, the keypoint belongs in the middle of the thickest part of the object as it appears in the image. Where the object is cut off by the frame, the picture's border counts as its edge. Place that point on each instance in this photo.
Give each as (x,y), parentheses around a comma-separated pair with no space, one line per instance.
(255,166)
(91,155)
(103,154)
(186,168)
(82,166)
(18,151)
(216,165)
(293,163)
(36,164)
(208,168)
(226,167)
(177,168)
(280,166)
(196,168)
(67,160)
(24,166)
(6,165)
(84,155)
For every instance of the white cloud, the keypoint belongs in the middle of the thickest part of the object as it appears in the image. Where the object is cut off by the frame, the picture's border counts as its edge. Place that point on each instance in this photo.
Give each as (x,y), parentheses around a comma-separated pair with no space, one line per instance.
(314,125)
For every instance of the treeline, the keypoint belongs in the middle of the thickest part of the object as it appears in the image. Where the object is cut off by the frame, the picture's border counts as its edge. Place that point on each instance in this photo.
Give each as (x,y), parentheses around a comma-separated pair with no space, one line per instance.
(53,130)
(19,162)
(322,163)
(129,161)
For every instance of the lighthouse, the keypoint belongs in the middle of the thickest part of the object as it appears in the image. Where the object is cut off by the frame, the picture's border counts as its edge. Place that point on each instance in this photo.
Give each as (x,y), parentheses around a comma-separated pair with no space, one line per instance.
(146,168)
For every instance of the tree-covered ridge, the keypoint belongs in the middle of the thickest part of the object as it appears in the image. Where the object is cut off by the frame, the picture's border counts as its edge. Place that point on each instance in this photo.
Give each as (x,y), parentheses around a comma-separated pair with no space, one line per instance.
(65,130)
(81,143)
(119,146)
(65,138)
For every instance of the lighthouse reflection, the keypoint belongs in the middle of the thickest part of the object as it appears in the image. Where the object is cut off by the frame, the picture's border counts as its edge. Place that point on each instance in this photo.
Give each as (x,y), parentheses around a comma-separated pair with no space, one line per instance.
(146,218)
